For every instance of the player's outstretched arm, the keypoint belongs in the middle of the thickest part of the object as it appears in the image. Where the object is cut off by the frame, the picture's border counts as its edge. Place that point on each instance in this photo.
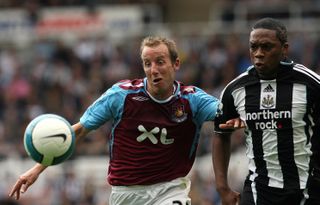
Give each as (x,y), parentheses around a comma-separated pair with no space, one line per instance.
(29,177)
(235,123)
(220,158)
(80,131)
(26,180)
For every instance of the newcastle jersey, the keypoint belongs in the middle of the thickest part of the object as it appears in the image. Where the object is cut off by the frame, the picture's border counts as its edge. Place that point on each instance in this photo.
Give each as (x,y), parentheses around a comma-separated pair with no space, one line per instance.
(151,141)
(282,119)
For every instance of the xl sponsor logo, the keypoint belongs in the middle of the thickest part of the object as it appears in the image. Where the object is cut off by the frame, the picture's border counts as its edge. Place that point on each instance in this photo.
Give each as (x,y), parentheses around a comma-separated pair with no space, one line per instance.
(151,135)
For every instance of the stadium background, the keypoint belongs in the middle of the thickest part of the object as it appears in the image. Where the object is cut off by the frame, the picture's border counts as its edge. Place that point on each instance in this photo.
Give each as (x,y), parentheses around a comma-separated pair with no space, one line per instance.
(59,56)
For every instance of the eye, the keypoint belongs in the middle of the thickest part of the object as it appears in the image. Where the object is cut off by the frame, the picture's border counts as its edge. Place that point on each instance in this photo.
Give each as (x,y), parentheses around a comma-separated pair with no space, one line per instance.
(160,62)
(146,63)
(253,46)
(267,46)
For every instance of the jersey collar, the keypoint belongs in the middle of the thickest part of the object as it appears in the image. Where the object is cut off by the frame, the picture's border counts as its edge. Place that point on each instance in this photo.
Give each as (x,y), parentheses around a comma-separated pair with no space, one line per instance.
(176,86)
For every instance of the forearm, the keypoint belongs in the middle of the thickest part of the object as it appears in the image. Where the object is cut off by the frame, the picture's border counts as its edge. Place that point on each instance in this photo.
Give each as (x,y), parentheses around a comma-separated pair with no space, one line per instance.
(79,131)
(220,159)
(38,168)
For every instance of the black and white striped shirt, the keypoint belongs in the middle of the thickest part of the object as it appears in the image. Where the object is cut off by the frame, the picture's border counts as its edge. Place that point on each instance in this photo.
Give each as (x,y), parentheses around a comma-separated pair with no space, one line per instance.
(281,117)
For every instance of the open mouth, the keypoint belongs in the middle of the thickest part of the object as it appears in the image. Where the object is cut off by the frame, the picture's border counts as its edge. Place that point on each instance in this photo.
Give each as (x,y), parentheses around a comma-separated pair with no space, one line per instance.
(259,64)
(156,80)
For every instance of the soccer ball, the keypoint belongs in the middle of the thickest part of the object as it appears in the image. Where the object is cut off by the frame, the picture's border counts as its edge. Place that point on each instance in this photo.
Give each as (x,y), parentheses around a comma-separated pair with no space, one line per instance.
(49,139)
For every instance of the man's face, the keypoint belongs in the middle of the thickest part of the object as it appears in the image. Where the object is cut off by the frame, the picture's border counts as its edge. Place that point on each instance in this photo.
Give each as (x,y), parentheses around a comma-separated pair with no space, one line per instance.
(160,70)
(266,52)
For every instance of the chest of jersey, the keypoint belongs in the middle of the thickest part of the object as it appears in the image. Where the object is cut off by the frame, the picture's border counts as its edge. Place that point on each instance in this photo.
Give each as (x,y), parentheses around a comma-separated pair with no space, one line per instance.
(146,121)
(271,105)
(152,142)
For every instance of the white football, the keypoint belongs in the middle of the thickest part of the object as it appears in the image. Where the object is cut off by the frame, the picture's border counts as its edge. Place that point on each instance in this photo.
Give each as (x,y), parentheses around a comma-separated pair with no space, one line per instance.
(49,139)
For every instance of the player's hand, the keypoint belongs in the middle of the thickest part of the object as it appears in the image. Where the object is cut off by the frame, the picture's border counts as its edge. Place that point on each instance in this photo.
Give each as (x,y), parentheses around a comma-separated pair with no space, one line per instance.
(235,123)
(26,180)
(230,198)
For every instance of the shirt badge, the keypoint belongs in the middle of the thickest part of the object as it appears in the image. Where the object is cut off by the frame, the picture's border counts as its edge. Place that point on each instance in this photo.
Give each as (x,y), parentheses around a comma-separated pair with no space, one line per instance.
(178,113)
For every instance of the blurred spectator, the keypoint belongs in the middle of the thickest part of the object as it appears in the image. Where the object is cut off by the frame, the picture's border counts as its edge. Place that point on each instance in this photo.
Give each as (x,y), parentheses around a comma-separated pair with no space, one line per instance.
(53,76)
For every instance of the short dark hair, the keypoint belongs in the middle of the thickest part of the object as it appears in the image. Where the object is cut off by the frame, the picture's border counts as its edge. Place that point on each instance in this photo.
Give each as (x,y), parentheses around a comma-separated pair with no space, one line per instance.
(273,24)
(152,41)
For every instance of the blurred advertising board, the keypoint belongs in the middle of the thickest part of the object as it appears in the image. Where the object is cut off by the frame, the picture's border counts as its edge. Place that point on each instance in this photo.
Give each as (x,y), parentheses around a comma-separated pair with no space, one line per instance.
(15,26)
(114,20)
(70,22)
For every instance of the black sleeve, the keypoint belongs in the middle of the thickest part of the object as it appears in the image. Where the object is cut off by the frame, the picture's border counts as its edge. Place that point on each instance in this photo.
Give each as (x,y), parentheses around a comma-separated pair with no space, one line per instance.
(228,111)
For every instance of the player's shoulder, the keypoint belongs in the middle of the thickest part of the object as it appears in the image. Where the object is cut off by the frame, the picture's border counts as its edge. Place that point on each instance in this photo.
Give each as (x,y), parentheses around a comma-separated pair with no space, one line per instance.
(123,88)
(127,84)
(190,90)
(195,93)
(187,89)
(243,79)
(305,71)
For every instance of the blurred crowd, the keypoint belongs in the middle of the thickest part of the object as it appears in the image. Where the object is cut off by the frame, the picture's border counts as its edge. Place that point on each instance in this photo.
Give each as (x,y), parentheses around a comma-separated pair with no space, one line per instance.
(51,76)
(55,76)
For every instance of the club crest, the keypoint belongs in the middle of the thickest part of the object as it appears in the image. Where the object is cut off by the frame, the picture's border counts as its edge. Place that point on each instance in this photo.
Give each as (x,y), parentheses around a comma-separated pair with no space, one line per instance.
(178,113)
(268,101)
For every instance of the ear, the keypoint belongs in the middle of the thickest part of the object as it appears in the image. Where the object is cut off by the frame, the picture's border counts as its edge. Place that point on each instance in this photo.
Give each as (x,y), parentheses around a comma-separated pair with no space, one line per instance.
(285,49)
(176,64)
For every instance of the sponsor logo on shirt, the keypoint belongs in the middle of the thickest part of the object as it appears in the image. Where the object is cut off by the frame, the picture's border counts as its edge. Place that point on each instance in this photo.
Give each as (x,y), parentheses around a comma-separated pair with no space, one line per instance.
(151,135)
(268,119)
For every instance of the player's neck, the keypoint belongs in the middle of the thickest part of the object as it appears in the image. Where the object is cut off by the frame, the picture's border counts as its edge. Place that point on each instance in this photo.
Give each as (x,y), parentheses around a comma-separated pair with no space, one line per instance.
(162,100)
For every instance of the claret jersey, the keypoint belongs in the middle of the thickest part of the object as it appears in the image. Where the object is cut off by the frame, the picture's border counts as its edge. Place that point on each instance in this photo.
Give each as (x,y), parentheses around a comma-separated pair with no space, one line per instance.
(151,141)
(282,118)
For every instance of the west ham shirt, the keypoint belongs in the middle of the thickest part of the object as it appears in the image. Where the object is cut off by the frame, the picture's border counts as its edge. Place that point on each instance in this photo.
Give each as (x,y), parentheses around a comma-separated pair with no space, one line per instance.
(151,141)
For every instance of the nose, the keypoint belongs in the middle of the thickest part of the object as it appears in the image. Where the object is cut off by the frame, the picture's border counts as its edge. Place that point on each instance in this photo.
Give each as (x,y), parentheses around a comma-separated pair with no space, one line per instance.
(154,69)
(259,53)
